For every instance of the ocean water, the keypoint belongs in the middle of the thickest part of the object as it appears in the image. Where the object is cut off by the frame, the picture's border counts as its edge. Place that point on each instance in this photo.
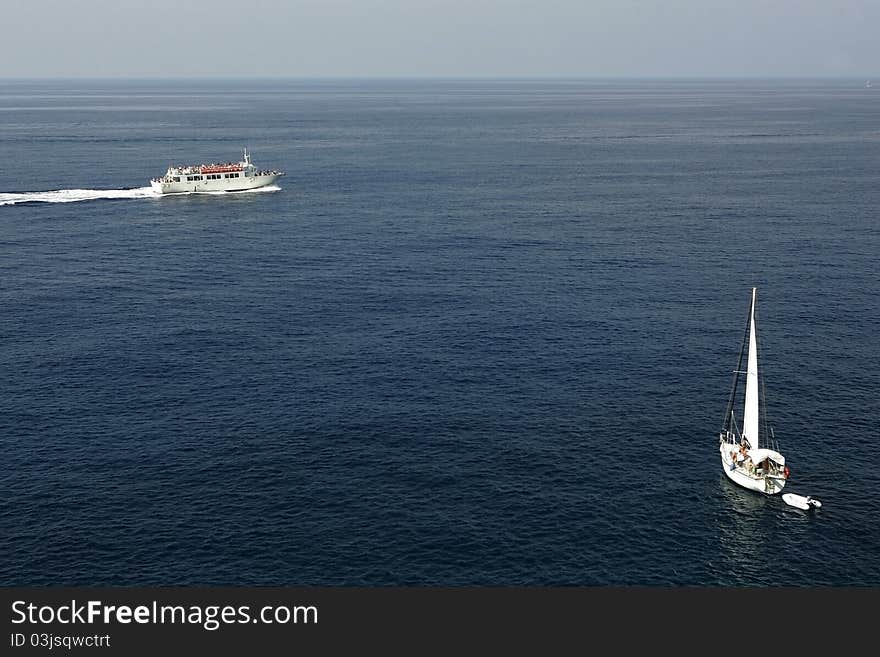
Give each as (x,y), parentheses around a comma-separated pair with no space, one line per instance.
(482,333)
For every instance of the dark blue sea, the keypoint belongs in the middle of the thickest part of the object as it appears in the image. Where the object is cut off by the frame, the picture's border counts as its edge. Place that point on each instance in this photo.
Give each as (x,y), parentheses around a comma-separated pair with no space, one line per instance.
(482,334)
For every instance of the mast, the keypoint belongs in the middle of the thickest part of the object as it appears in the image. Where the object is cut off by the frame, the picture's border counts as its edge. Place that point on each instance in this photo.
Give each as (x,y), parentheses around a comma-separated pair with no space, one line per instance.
(750,412)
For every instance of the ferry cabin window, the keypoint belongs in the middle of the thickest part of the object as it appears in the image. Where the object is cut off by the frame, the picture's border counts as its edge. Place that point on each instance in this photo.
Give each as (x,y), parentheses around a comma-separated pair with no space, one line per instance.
(176,179)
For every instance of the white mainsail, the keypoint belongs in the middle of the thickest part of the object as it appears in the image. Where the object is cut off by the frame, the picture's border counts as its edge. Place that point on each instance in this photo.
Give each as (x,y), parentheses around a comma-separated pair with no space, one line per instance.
(750,413)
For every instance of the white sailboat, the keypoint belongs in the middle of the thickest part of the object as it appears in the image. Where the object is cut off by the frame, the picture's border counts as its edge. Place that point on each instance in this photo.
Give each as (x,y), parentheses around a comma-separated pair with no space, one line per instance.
(744,458)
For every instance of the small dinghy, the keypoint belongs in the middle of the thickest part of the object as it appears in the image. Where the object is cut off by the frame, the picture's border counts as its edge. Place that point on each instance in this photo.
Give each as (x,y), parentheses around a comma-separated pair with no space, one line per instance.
(801,502)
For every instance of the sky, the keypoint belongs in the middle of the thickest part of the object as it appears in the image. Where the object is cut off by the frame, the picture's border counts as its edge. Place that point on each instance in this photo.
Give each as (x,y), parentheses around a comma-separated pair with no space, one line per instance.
(439,38)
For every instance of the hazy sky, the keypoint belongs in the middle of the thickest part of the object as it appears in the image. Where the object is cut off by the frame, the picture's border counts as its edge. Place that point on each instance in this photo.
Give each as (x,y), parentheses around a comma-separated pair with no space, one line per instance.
(447,38)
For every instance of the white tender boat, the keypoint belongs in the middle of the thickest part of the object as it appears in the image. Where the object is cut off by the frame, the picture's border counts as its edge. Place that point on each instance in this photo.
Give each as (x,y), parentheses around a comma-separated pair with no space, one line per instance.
(746,454)
(225,177)
(801,502)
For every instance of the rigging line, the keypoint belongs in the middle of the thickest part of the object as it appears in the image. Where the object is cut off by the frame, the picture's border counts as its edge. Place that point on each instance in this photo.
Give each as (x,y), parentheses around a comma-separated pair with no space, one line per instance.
(733,425)
(733,389)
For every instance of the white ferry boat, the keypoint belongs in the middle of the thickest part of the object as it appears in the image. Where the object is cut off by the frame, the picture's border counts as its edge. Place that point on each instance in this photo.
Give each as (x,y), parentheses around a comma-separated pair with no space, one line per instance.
(225,177)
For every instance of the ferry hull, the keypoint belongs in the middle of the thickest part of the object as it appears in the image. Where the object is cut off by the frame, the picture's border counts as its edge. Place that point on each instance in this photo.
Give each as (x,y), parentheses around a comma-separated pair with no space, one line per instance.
(222,185)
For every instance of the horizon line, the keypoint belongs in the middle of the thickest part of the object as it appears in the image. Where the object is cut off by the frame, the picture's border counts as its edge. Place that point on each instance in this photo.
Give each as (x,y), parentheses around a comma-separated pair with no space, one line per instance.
(213,76)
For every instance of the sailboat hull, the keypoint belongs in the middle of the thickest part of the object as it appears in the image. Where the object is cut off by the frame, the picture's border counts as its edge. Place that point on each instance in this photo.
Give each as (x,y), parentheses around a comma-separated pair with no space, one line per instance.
(769,485)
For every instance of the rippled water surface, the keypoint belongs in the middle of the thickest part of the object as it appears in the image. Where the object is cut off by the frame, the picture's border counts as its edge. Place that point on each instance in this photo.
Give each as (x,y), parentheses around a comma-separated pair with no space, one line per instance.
(483,334)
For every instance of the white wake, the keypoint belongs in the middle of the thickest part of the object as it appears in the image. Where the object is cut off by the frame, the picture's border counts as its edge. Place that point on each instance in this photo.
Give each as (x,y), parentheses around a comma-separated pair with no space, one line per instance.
(72,195)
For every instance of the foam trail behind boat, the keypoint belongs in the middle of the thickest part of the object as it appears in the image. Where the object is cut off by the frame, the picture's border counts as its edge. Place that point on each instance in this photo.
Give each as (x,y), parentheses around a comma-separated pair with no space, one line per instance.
(72,195)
